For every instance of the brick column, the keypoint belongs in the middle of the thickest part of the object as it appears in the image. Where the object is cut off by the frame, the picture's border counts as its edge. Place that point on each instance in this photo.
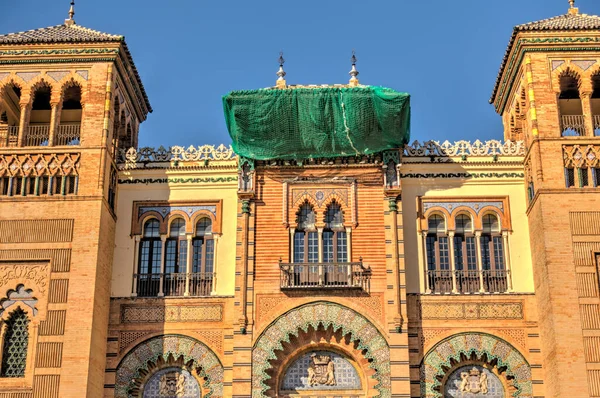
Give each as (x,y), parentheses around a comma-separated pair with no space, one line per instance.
(23,124)
(53,124)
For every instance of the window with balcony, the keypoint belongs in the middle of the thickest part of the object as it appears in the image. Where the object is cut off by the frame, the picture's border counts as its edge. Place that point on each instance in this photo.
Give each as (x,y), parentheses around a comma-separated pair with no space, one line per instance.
(10,115)
(203,246)
(492,255)
(465,255)
(438,255)
(148,277)
(68,131)
(569,103)
(175,259)
(38,131)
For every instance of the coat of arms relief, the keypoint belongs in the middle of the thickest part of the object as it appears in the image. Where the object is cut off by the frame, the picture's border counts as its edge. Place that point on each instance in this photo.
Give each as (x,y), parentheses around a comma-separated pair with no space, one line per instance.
(321,371)
(172,385)
(474,382)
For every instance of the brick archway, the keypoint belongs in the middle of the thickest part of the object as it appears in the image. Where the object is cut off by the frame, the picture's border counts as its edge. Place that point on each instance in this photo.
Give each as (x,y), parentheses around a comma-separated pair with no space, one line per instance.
(334,326)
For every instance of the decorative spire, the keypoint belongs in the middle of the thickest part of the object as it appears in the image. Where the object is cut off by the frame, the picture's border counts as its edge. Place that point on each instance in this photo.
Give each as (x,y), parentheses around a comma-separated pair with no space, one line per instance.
(572,8)
(353,72)
(281,83)
(71,21)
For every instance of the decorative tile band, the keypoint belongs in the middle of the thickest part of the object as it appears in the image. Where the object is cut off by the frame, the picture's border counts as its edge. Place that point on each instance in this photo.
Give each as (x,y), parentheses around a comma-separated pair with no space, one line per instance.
(476,206)
(175,153)
(153,314)
(164,210)
(191,180)
(462,175)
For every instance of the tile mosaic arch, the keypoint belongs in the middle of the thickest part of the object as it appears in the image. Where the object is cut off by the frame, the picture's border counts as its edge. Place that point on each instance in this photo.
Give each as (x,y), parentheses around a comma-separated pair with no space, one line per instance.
(440,356)
(136,362)
(326,314)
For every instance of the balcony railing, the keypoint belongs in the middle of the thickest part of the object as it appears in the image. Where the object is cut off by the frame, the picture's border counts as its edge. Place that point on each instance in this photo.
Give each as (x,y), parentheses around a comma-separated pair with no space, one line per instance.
(572,125)
(68,134)
(174,284)
(468,281)
(325,276)
(37,135)
(9,136)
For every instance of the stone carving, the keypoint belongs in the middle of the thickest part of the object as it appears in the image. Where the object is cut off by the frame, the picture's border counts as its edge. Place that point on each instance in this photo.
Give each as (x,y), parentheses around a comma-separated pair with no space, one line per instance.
(474,381)
(464,148)
(321,370)
(172,384)
(36,274)
(581,155)
(319,195)
(50,164)
(175,153)
(19,294)
(152,314)
(472,310)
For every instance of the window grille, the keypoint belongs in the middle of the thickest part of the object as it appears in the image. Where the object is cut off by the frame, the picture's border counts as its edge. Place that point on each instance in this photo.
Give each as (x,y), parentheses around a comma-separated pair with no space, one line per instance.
(14,352)
(570,177)
(583,177)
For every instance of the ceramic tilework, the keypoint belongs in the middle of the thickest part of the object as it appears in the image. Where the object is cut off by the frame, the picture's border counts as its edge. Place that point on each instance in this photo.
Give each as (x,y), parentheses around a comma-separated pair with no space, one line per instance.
(494,347)
(150,350)
(327,314)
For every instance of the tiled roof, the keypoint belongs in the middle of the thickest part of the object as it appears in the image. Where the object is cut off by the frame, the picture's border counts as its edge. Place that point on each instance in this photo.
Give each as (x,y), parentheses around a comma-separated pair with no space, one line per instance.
(59,34)
(570,21)
(72,34)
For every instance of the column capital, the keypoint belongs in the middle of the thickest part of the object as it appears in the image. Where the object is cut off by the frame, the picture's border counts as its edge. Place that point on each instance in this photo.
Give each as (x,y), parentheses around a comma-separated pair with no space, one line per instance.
(424,233)
(478,234)
(505,233)
(451,234)
(163,237)
(189,236)
(137,238)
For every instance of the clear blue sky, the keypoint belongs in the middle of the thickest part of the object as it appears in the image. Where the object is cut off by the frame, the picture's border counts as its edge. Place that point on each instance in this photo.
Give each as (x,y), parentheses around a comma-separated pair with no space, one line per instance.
(446,54)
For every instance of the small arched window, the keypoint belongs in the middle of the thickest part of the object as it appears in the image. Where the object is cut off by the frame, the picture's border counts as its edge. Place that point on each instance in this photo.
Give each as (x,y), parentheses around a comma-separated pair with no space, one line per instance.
(38,131)
(465,249)
(492,249)
(149,259)
(204,248)
(68,132)
(14,348)
(306,241)
(176,249)
(335,242)
(570,107)
(438,255)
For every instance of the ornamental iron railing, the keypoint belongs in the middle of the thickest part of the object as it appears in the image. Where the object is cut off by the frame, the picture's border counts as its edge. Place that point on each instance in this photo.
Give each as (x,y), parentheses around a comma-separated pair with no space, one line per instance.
(468,281)
(174,284)
(68,134)
(9,136)
(325,276)
(572,125)
(37,135)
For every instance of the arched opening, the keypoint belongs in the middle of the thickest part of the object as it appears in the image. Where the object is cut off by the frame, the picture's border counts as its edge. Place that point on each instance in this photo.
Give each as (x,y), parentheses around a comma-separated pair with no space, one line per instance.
(203,245)
(38,132)
(10,115)
(492,256)
(305,248)
(14,347)
(69,128)
(596,102)
(148,276)
(438,255)
(569,105)
(175,259)
(465,255)
(337,271)
(116,126)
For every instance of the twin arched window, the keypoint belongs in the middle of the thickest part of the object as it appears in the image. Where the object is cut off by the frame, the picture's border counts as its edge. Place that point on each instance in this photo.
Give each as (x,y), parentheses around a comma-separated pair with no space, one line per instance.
(334,238)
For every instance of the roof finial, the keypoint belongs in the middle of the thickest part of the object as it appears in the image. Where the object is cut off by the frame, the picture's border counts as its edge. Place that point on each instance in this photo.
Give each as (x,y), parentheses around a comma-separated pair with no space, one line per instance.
(281,83)
(353,72)
(572,8)
(71,21)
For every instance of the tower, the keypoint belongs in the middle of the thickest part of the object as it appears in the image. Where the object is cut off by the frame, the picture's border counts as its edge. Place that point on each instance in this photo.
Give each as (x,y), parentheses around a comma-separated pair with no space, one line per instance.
(548,93)
(70,97)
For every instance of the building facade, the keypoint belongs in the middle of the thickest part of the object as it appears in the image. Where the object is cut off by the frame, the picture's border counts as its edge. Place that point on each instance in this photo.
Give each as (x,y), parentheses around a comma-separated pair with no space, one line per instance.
(465,269)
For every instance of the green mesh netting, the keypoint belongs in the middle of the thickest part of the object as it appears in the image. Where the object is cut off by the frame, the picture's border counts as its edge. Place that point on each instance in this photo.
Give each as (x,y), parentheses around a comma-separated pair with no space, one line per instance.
(300,123)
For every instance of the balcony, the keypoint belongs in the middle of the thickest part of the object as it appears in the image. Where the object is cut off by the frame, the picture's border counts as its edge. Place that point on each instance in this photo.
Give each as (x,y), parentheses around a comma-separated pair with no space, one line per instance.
(37,135)
(313,276)
(572,125)
(468,281)
(68,134)
(9,136)
(173,284)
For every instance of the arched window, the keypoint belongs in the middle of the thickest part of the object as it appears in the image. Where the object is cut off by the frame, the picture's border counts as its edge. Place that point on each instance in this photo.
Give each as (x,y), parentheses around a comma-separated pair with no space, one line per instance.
(438,256)
(335,242)
(569,103)
(492,255)
(38,132)
(203,260)
(10,115)
(149,259)
(14,349)
(465,255)
(596,102)
(175,259)
(306,241)
(68,132)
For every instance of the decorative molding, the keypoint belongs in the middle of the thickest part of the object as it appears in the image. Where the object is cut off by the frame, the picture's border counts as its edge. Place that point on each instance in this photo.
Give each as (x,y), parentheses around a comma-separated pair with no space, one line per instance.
(191,180)
(464,148)
(19,294)
(36,231)
(470,310)
(475,206)
(450,351)
(75,51)
(127,338)
(165,210)
(184,313)
(462,175)
(58,75)
(581,155)
(136,363)
(319,195)
(175,153)
(29,273)
(47,164)
(326,314)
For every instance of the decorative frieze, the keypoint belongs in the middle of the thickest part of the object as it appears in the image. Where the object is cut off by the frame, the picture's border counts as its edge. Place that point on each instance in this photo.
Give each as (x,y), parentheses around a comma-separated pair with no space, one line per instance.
(464,148)
(43,164)
(581,156)
(470,310)
(175,153)
(165,210)
(475,206)
(154,314)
